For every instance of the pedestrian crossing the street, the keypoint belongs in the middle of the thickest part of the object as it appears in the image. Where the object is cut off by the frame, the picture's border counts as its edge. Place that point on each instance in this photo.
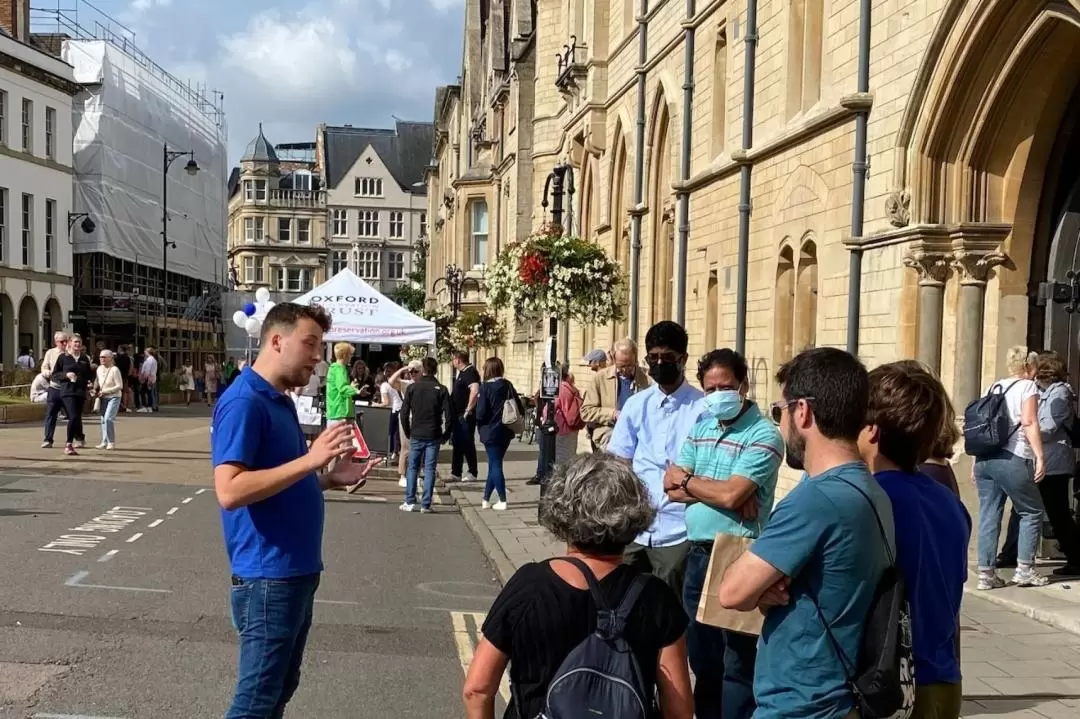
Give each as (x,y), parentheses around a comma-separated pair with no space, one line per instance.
(466,636)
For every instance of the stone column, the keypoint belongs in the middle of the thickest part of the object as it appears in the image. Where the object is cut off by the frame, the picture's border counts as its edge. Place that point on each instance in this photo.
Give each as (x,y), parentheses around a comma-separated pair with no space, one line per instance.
(933,268)
(973,268)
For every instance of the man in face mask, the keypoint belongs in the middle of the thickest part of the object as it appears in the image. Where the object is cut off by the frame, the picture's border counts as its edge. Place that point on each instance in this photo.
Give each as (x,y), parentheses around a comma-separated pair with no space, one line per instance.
(726,475)
(650,431)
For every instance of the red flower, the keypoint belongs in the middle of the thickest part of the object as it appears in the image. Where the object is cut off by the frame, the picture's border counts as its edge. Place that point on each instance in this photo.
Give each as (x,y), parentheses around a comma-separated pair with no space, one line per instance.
(533,270)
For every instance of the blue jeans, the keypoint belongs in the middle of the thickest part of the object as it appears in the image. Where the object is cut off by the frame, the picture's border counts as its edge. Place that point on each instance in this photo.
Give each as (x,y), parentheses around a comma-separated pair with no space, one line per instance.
(722,660)
(997,477)
(429,450)
(109,407)
(273,617)
(496,480)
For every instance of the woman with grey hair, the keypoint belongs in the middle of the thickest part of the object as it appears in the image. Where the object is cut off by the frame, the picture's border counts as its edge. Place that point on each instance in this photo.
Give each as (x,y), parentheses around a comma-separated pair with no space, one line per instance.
(597,505)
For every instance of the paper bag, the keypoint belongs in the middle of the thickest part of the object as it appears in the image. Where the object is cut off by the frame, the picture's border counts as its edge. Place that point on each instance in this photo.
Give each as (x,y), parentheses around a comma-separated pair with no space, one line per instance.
(726,549)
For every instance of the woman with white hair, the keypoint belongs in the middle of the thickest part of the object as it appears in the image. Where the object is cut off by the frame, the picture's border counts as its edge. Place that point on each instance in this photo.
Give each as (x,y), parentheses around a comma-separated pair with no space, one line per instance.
(1013,472)
(109,387)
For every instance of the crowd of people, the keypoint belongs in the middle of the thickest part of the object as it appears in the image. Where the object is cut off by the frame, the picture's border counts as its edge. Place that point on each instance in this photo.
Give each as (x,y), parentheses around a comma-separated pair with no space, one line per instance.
(673,518)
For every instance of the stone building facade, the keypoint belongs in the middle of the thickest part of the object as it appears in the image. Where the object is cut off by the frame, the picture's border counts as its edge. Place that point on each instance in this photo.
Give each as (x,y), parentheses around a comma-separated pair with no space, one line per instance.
(972,193)
(277,221)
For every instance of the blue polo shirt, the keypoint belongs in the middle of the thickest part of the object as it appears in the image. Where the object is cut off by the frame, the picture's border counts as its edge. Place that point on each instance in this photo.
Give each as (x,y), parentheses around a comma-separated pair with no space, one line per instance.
(281,536)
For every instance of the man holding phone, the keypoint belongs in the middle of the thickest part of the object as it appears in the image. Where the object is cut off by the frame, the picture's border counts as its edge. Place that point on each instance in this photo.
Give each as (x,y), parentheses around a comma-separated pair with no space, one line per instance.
(269,486)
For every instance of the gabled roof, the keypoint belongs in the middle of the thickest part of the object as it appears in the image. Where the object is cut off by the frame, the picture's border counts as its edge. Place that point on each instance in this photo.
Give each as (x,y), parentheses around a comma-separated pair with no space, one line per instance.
(405,151)
(259,149)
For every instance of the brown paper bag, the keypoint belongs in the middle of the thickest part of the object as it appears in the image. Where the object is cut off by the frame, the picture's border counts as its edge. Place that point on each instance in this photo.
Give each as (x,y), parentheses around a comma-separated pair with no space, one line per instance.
(726,549)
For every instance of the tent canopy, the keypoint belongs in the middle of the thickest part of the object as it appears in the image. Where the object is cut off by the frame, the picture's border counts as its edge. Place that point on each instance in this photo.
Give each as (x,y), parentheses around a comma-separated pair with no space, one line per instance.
(364,316)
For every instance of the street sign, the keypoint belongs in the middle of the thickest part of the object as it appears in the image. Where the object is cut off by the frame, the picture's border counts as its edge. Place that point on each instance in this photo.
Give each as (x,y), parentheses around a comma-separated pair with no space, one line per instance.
(360,448)
(549,384)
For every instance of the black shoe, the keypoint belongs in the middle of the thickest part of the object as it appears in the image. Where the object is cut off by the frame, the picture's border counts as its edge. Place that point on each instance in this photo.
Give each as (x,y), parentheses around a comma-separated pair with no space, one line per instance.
(1005,562)
(1069,570)
(534,481)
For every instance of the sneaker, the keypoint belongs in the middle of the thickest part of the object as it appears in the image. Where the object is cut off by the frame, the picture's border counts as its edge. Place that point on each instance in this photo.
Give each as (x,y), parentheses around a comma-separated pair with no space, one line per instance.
(427,510)
(406,507)
(110,446)
(79,444)
(402,482)
(499,506)
(353,487)
(455,478)
(69,449)
(468,477)
(46,444)
(102,445)
(484,504)
(1028,577)
(989,580)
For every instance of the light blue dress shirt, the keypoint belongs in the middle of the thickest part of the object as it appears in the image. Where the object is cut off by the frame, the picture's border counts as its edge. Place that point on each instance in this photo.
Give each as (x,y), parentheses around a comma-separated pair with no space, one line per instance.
(650,431)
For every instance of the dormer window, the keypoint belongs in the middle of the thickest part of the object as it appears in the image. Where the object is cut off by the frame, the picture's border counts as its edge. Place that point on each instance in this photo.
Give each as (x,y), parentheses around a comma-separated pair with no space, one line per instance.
(301,180)
(369,187)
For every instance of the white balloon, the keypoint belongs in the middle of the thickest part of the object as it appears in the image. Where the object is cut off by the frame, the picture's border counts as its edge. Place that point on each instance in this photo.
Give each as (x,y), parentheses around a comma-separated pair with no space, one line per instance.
(253,326)
(269,305)
(262,295)
(240,319)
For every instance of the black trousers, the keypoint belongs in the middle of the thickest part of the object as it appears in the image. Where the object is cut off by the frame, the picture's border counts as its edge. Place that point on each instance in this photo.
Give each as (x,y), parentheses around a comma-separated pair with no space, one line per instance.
(1055,495)
(463,441)
(73,407)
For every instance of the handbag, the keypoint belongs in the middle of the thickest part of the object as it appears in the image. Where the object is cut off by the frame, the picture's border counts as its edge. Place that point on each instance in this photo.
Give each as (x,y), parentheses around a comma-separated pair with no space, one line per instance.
(511,412)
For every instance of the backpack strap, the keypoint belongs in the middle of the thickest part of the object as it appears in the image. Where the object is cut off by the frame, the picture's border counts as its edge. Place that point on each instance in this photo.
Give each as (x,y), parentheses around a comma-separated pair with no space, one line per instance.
(622,612)
(609,623)
(590,579)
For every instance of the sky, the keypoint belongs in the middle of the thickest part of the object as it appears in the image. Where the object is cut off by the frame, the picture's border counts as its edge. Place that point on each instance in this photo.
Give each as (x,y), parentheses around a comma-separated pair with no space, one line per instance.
(293,65)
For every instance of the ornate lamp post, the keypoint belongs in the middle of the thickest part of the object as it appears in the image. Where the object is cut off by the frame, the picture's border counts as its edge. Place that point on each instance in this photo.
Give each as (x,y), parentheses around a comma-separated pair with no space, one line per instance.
(455,282)
(168,157)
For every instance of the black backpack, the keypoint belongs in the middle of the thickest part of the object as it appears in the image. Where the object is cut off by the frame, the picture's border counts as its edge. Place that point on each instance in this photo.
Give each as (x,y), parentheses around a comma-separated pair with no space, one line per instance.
(600,678)
(883,679)
(987,428)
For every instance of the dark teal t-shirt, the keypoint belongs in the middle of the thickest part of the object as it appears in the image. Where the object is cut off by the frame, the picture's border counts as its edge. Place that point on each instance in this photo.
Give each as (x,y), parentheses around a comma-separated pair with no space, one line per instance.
(825,537)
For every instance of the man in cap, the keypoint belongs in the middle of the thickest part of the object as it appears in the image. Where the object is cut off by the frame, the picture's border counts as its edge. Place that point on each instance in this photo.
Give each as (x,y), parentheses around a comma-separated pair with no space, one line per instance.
(607,390)
(595,360)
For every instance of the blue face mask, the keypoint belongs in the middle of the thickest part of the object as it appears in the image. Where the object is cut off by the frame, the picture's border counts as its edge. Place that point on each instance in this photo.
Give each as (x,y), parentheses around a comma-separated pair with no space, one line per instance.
(724,404)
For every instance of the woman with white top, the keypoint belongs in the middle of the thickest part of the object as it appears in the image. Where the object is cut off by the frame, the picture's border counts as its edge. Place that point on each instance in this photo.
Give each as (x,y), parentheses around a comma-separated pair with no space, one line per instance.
(392,397)
(1013,472)
(399,380)
(109,388)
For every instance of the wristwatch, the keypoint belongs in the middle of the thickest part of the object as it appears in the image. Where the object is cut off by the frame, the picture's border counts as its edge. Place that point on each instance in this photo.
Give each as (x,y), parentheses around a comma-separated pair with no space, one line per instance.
(686,481)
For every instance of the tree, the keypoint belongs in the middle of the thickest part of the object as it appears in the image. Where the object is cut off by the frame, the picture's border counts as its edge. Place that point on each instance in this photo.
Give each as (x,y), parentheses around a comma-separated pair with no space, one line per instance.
(412,295)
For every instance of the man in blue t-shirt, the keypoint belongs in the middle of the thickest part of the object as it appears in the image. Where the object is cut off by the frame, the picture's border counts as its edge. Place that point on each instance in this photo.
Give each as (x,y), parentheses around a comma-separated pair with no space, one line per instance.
(821,555)
(272,507)
(906,413)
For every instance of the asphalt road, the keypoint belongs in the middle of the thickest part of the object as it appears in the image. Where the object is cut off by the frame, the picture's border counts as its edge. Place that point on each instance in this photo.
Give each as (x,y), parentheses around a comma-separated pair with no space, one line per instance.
(114,604)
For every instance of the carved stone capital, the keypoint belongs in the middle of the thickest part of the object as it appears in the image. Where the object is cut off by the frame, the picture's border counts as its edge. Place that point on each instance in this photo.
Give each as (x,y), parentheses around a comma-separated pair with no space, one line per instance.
(898,208)
(932,266)
(974,267)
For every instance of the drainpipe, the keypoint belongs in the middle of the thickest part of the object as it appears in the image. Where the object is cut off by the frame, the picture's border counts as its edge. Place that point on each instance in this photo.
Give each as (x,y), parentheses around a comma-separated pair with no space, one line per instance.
(639,172)
(858,188)
(683,196)
(745,172)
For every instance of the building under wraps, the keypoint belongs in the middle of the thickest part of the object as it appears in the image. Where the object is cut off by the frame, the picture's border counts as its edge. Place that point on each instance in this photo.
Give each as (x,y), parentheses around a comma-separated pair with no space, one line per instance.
(153,270)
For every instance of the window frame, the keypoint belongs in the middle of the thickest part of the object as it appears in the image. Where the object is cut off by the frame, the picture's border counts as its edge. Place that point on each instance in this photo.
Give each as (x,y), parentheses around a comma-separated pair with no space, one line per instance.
(284,230)
(474,236)
(303,230)
(367,186)
(50,132)
(27,230)
(397,224)
(395,265)
(50,234)
(339,260)
(340,220)
(365,260)
(27,125)
(367,224)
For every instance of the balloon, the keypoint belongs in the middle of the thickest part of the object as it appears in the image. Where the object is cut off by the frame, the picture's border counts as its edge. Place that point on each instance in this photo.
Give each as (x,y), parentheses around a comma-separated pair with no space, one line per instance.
(262,295)
(249,309)
(239,319)
(269,305)
(253,327)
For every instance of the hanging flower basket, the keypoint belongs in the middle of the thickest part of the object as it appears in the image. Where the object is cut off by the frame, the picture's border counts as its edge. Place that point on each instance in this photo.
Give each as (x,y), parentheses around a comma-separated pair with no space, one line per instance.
(444,330)
(478,329)
(557,275)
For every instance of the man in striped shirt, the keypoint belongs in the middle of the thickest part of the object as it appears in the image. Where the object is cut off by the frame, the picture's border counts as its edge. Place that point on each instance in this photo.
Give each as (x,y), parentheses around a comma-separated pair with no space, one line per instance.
(726,474)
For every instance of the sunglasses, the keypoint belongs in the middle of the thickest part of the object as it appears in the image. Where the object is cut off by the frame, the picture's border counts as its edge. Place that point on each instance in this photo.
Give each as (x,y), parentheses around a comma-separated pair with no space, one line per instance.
(655,358)
(776,409)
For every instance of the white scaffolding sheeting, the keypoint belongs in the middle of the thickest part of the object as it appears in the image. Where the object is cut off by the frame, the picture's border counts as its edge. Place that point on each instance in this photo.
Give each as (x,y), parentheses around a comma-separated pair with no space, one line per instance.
(126,113)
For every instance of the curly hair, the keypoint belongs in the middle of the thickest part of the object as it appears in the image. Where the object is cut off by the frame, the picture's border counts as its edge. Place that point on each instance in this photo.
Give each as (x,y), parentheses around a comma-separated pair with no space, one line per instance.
(596,504)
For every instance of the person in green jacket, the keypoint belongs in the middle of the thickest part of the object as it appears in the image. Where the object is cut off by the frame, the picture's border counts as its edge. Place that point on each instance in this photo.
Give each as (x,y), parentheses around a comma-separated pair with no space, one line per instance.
(339,391)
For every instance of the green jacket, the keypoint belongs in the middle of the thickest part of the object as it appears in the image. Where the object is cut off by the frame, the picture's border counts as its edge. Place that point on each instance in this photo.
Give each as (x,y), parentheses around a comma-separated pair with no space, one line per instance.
(339,393)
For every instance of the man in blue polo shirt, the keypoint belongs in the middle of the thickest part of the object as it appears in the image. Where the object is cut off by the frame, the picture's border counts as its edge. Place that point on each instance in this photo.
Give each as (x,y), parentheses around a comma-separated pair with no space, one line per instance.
(270,492)
(726,476)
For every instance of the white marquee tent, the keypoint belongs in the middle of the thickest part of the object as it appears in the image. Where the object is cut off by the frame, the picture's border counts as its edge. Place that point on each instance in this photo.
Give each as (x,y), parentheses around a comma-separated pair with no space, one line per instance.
(362,315)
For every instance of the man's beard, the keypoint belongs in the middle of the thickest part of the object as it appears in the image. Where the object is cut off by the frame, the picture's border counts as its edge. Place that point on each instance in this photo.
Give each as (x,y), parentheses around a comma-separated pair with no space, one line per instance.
(794,449)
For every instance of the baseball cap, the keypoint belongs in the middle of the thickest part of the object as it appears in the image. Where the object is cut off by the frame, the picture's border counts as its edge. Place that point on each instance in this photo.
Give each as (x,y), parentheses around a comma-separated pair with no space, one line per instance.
(594,356)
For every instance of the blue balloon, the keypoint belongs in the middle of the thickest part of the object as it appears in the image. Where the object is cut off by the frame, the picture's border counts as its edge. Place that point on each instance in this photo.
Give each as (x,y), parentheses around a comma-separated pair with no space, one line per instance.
(249,309)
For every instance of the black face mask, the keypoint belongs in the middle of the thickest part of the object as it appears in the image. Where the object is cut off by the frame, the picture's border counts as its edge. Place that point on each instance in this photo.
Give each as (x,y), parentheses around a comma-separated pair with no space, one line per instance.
(666,374)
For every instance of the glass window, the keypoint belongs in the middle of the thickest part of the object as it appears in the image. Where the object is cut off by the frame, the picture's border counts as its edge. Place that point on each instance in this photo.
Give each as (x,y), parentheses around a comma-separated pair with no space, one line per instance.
(294,279)
(27,126)
(249,190)
(368,187)
(479,228)
(339,260)
(303,231)
(301,180)
(3,117)
(27,228)
(395,266)
(50,234)
(253,270)
(3,224)
(284,229)
(368,225)
(260,189)
(423,224)
(341,223)
(397,224)
(50,132)
(368,264)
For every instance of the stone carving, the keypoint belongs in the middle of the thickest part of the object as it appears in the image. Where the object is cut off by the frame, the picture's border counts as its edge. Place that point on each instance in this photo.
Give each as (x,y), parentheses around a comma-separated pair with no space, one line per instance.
(933,267)
(975,267)
(898,208)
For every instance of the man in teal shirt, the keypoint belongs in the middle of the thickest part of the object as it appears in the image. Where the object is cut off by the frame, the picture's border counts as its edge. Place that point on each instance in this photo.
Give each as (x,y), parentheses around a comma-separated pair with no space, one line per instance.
(726,474)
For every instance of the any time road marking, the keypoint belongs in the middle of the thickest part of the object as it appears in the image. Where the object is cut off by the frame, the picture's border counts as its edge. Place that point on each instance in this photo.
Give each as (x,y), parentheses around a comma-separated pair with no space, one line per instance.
(134,537)
(174,510)
(155,523)
(186,500)
(200,491)
(108,555)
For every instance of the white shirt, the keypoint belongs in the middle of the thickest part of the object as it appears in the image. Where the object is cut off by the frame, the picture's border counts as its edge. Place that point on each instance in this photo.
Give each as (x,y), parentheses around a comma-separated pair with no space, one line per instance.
(1016,391)
(25,361)
(109,380)
(39,389)
(392,396)
(148,369)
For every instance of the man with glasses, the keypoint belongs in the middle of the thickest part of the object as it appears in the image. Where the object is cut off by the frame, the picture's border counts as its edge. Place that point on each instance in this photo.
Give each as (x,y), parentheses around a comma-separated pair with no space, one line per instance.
(650,430)
(48,363)
(818,561)
(607,390)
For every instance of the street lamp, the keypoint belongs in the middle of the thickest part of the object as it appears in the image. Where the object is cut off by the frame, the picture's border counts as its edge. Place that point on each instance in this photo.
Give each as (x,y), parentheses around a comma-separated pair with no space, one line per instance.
(87,225)
(168,157)
(455,282)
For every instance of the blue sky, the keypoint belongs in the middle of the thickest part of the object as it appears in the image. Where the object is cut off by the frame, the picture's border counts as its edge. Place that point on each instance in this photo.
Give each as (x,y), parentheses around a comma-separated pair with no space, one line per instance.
(292,65)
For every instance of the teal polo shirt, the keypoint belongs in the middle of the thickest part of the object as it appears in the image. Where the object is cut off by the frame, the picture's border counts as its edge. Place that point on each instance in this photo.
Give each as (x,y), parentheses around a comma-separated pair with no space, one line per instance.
(750,447)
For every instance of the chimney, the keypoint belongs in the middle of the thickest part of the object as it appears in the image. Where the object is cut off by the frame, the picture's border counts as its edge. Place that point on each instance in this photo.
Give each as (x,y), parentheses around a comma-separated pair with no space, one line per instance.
(15,18)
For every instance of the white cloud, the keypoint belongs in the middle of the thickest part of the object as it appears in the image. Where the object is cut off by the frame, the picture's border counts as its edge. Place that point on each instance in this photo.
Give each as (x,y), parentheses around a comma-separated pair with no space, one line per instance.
(139,6)
(443,5)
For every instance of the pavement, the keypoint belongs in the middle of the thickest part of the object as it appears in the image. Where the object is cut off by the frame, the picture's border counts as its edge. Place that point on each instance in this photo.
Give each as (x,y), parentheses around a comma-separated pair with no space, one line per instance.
(114,603)
(1017,663)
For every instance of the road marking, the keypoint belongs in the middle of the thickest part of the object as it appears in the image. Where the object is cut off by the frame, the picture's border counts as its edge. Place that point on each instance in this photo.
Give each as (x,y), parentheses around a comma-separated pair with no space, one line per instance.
(76,580)
(70,716)
(331,601)
(108,555)
(155,523)
(466,642)
(174,510)
(200,491)
(134,537)
(186,500)
(89,535)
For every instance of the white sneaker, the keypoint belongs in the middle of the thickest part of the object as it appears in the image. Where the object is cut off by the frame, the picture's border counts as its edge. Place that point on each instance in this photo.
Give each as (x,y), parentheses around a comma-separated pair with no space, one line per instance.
(102,445)
(467,477)
(989,580)
(46,445)
(110,446)
(79,444)
(406,507)
(1028,577)
(484,504)
(499,506)
(402,482)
